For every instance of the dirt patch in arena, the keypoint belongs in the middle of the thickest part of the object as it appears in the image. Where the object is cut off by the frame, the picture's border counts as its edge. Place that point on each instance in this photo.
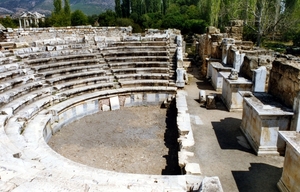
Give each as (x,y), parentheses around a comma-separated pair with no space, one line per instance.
(130,140)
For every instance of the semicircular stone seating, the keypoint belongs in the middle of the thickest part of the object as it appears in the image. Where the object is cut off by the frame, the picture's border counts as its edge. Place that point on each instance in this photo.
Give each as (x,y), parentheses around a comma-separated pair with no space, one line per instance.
(60,75)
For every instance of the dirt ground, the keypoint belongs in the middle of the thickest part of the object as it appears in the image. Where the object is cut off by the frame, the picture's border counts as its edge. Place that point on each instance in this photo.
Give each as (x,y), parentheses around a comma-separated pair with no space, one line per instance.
(130,140)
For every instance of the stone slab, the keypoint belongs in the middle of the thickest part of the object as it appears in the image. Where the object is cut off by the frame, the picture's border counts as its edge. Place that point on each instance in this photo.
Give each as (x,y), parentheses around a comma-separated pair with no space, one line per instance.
(114,103)
(290,179)
(262,119)
(192,169)
(230,91)
(211,184)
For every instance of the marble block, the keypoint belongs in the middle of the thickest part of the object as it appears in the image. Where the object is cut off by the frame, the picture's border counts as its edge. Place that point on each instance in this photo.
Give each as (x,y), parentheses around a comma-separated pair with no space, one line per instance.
(216,77)
(114,103)
(290,179)
(230,91)
(262,118)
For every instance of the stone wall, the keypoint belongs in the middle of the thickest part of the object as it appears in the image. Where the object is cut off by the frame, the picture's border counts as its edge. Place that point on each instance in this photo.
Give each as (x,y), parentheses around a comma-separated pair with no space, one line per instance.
(32,34)
(235,30)
(209,47)
(284,80)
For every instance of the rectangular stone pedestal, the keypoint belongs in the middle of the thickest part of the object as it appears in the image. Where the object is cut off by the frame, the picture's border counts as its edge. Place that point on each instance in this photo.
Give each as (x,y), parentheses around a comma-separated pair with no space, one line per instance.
(230,91)
(290,179)
(262,118)
(216,77)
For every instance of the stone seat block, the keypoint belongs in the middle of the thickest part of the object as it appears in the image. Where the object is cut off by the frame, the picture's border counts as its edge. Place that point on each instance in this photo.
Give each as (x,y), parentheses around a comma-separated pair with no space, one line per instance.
(9,84)
(144,82)
(137,59)
(11,94)
(181,102)
(7,45)
(68,77)
(65,64)
(138,64)
(131,53)
(71,70)
(11,107)
(13,129)
(80,82)
(192,169)
(143,76)
(10,67)
(58,51)
(7,147)
(152,70)
(23,79)
(10,74)
(8,58)
(27,50)
(183,156)
(32,109)
(184,127)
(135,48)
(138,43)
(82,90)
(39,61)
(75,57)
(141,70)
(186,141)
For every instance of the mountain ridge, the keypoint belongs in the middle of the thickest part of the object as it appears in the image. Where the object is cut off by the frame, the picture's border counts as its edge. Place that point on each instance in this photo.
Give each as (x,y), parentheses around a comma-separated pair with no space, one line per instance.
(89,7)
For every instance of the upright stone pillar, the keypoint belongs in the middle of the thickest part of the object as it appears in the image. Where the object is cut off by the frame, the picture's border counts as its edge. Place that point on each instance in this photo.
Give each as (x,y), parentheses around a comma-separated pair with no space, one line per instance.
(238,60)
(180,71)
(295,124)
(20,23)
(259,79)
(226,43)
(180,82)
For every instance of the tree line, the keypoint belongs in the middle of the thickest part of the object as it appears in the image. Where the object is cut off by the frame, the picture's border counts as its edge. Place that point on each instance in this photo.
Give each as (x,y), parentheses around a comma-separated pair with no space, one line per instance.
(263,19)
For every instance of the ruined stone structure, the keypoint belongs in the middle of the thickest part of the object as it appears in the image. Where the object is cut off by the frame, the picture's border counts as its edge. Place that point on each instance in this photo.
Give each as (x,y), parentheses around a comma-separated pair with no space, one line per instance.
(53,76)
(266,90)
(29,19)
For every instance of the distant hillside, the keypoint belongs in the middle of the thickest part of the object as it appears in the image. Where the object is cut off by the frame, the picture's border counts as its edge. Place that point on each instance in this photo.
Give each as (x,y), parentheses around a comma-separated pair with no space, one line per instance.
(89,7)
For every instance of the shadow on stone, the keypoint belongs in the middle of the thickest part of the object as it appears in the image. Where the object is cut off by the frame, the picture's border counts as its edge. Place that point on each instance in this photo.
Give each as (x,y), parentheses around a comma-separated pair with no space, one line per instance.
(228,133)
(260,177)
(204,85)
(171,136)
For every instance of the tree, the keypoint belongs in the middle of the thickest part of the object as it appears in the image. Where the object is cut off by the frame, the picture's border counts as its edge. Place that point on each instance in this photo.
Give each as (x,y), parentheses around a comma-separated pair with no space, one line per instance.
(8,22)
(78,18)
(57,7)
(61,16)
(108,18)
(67,13)
(118,8)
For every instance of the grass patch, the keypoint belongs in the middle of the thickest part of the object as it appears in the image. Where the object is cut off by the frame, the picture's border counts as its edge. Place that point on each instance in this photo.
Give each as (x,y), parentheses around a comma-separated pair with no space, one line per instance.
(277,45)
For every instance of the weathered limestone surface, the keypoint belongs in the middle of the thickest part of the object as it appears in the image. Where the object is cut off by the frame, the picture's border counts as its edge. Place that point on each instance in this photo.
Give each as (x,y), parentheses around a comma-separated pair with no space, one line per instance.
(259,79)
(262,118)
(211,184)
(253,60)
(230,91)
(290,179)
(216,77)
(235,30)
(284,80)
